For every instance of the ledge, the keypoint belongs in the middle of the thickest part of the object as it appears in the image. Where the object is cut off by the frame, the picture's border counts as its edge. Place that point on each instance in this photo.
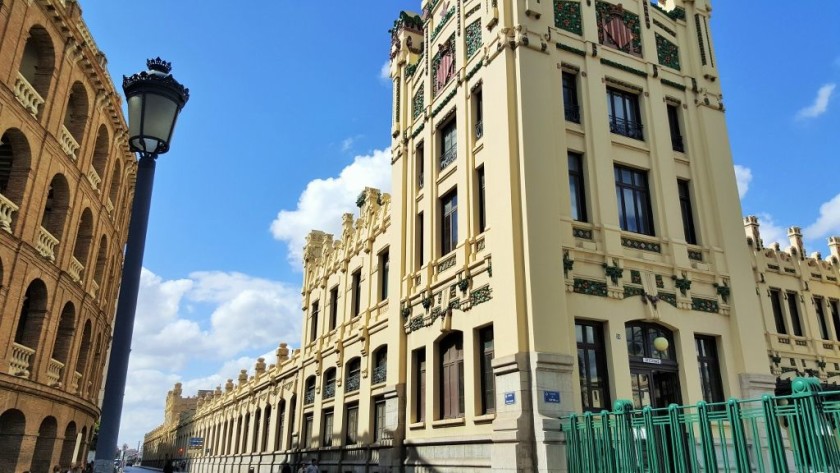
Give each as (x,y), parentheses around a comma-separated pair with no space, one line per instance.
(448,422)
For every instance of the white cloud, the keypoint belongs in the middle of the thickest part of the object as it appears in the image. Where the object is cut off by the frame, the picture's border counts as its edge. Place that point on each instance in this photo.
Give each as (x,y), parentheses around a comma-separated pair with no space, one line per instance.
(771,232)
(245,317)
(828,223)
(385,71)
(322,203)
(743,176)
(820,104)
(347,144)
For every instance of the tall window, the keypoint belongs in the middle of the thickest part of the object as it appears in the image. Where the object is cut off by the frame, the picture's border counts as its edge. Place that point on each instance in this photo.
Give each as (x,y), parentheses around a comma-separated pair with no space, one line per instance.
(420,158)
(354,368)
(351,422)
(281,417)
(592,365)
(452,376)
(333,307)
(576,187)
(384,267)
(835,316)
(674,126)
(687,215)
(357,292)
(378,419)
(380,366)
(309,392)
(488,380)
(631,189)
(449,222)
(479,113)
(570,97)
(707,360)
(313,323)
(307,429)
(625,118)
(778,315)
(329,384)
(793,308)
(819,306)
(448,144)
(482,200)
(420,242)
(420,385)
(327,438)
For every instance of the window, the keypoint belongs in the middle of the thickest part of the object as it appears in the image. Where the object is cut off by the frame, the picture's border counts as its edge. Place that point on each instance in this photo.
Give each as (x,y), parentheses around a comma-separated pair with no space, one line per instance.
(420,158)
(687,215)
(482,202)
(357,292)
(570,97)
(420,385)
(707,360)
(674,126)
(380,368)
(292,413)
(333,307)
(384,267)
(354,368)
(452,376)
(281,417)
(488,379)
(449,222)
(420,242)
(835,317)
(778,316)
(378,419)
(351,422)
(309,393)
(448,144)
(592,366)
(307,430)
(625,118)
(576,187)
(479,113)
(329,384)
(819,306)
(327,437)
(793,308)
(313,322)
(631,189)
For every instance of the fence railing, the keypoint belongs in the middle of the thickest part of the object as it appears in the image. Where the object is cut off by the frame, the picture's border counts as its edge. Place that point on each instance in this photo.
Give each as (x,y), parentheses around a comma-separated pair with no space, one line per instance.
(795,433)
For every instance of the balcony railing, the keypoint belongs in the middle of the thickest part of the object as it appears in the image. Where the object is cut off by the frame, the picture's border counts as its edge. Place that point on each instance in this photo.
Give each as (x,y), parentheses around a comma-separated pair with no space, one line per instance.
(351,384)
(94,289)
(479,130)
(46,244)
(448,157)
(109,205)
(420,181)
(380,374)
(329,390)
(309,397)
(27,96)
(77,379)
(677,143)
(94,178)
(629,128)
(7,208)
(572,113)
(75,269)
(21,357)
(54,372)
(68,143)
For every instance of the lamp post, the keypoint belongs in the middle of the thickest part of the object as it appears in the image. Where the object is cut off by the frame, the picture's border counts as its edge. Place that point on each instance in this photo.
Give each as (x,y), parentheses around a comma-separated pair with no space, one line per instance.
(154,100)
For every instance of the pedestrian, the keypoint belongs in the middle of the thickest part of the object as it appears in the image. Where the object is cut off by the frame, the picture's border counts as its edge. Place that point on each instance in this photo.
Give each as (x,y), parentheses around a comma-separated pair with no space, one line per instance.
(302,468)
(167,467)
(313,466)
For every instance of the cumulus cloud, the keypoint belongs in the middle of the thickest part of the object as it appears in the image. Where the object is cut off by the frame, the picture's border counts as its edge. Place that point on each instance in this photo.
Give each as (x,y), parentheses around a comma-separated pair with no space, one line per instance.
(385,71)
(743,175)
(820,104)
(244,318)
(828,223)
(322,203)
(771,232)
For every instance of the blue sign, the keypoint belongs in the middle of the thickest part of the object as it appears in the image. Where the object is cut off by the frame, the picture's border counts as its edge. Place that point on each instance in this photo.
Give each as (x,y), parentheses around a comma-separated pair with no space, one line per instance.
(551,397)
(510,398)
(196,442)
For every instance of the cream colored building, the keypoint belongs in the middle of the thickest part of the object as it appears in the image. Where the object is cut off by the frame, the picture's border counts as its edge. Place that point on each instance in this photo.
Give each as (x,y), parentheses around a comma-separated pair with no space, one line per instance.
(66,185)
(564,231)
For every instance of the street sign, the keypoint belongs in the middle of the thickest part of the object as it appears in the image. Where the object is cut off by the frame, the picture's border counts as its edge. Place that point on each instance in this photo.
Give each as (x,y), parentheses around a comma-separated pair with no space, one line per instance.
(196,442)
(551,397)
(510,398)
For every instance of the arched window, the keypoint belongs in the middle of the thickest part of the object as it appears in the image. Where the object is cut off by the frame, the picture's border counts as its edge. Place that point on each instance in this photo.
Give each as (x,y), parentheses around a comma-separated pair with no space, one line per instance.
(114,193)
(95,369)
(309,392)
(292,417)
(63,342)
(266,422)
(13,426)
(278,431)
(68,444)
(240,445)
(329,383)
(82,248)
(255,435)
(101,260)
(55,211)
(380,365)
(640,341)
(75,119)
(36,68)
(351,378)
(82,357)
(31,321)
(451,371)
(100,157)
(44,445)
(14,172)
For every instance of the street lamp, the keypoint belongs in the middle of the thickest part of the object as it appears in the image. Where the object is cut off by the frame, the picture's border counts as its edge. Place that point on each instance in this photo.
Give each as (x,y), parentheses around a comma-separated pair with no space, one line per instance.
(154,100)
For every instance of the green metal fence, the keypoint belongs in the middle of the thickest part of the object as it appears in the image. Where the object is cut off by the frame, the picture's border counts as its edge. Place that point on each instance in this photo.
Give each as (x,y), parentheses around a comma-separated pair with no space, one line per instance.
(795,433)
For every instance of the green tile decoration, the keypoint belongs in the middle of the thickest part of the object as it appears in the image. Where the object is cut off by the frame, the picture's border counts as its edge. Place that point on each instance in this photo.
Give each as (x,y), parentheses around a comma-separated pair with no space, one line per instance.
(567,16)
(473,35)
(667,52)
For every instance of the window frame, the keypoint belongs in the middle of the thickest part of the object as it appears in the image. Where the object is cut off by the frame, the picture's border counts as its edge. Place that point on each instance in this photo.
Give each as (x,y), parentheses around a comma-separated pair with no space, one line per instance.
(598,347)
(819,307)
(624,113)
(451,374)
(778,310)
(577,186)
(834,308)
(711,380)
(482,199)
(356,288)
(351,424)
(795,316)
(571,104)
(419,359)
(478,110)
(687,212)
(313,321)
(487,379)
(641,200)
(448,144)
(379,419)
(327,422)
(449,222)
(384,270)
(420,163)
(333,307)
(677,143)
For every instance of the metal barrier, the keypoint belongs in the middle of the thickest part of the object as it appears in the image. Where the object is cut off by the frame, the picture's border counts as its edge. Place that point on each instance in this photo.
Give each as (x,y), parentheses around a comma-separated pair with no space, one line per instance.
(795,433)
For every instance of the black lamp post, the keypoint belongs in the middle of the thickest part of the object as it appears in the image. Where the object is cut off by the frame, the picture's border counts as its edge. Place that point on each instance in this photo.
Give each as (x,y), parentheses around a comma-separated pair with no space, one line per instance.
(154,100)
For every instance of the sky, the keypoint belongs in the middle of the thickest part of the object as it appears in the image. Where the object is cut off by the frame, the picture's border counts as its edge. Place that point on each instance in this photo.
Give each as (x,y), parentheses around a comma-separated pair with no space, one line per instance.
(289,119)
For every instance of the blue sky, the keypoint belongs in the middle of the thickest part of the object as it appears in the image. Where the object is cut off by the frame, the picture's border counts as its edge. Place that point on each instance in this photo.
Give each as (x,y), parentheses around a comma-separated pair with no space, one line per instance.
(289,118)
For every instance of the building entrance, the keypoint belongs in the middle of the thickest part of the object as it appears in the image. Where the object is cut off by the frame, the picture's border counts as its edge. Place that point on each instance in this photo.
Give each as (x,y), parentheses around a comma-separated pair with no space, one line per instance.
(653,365)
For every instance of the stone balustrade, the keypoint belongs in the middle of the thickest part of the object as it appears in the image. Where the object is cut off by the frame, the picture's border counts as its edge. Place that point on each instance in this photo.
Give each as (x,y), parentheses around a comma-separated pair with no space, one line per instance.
(46,244)
(27,96)
(7,208)
(76,269)
(77,377)
(21,356)
(54,372)
(94,179)
(109,205)
(94,288)
(68,143)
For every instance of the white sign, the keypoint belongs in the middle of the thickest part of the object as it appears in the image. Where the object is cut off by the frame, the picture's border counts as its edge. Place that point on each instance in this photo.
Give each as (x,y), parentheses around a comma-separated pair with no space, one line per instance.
(653,361)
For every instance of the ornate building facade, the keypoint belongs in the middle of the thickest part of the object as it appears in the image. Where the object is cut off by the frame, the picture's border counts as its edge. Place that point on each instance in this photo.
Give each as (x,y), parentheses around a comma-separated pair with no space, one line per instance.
(573,240)
(66,183)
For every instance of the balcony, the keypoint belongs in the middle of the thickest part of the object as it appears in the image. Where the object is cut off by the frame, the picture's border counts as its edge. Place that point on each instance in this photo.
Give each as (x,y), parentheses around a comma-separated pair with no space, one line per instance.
(54,372)
(309,397)
(109,205)
(27,96)
(448,157)
(380,374)
(677,143)
(351,384)
(75,269)
(77,378)
(46,244)
(628,128)
(329,390)
(7,208)
(94,179)
(68,143)
(21,357)
(94,288)
(572,113)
